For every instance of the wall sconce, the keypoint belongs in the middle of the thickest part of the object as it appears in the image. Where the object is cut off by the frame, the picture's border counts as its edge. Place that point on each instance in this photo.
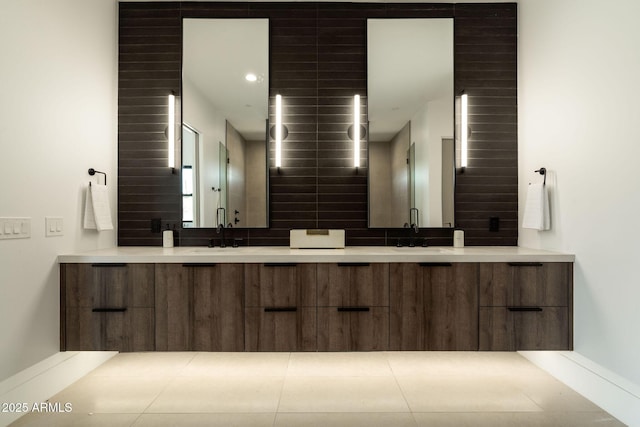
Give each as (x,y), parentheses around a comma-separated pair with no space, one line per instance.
(356,131)
(279,132)
(171,131)
(464,130)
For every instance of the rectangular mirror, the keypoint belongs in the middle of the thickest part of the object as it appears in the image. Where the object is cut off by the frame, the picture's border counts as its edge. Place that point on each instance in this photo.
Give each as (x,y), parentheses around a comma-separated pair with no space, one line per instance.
(225,94)
(411,122)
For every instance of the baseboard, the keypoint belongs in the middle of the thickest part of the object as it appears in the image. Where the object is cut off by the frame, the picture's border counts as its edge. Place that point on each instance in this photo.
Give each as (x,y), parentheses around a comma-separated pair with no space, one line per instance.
(611,392)
(39,382)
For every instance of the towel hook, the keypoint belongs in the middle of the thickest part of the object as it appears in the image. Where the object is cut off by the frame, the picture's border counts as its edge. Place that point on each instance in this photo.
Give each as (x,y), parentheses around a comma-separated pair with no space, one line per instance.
(543,172)
(92,172)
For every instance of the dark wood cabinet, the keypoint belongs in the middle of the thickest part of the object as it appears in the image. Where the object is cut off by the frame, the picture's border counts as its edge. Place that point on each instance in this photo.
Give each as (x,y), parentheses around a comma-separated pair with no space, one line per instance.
(199,307)
(353,307)
(526,306)
(107,307)
(434,306)
(280,312)
(317,307)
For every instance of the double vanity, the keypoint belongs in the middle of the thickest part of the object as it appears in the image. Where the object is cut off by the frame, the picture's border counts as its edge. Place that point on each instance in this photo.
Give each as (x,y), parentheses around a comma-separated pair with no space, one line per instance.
(282,299)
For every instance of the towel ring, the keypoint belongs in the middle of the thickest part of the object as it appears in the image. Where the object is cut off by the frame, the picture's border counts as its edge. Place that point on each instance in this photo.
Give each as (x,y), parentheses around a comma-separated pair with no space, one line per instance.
(543,172)
(92,172)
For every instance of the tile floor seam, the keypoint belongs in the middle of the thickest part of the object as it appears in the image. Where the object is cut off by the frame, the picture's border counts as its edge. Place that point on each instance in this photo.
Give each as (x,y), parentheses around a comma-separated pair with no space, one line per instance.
(395,378)
(284,380)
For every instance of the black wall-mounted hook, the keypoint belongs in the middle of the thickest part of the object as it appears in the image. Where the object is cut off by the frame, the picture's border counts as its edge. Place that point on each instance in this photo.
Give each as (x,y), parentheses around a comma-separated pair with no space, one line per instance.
(543,172)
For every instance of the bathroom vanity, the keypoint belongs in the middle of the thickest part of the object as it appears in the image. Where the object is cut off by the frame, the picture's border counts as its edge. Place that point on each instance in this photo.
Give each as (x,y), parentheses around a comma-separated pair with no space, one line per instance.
(281,299)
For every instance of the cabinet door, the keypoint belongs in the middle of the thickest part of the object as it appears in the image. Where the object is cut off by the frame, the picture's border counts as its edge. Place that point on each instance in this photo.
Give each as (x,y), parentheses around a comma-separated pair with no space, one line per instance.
(280,329)
(434,306)
(353,328)
(173,307)
(199,307)
(353,284)
(218,317)
(517,328)
(107,307)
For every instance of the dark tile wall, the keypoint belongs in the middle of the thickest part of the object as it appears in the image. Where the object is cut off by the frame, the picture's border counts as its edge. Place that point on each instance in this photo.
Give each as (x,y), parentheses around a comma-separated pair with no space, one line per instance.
(317,63)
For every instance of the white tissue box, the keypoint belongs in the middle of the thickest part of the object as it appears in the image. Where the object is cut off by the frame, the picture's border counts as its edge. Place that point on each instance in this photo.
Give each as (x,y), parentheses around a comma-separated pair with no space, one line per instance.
(316,239)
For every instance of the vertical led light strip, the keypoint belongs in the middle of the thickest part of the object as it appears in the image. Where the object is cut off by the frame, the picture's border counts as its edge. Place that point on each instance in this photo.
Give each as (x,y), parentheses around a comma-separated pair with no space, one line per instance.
(464,130)
(278,131)
(171,131)
(356,131)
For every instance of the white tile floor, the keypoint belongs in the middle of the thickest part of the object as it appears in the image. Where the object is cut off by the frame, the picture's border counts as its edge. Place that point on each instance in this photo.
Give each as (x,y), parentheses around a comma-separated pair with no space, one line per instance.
(321,389)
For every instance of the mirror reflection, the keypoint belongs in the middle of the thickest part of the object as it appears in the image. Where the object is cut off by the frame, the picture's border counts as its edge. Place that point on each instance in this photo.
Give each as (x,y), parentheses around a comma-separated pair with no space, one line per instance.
(411,122)
(225,90)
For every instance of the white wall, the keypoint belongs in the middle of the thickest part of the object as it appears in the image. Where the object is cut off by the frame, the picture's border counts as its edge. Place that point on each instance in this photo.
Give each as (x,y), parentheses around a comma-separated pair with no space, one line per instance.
(578,117)
(57,120)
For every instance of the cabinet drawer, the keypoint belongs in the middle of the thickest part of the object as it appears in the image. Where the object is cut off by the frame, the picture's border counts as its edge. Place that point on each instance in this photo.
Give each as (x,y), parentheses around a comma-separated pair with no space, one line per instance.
(280,329)
(280,285)
(108,285)
(353,284)
(526,284)
(525,328)
(353,328)
(122,330)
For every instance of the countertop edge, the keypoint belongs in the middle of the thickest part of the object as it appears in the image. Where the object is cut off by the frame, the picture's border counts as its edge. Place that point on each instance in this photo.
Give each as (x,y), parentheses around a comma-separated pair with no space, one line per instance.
(284,254)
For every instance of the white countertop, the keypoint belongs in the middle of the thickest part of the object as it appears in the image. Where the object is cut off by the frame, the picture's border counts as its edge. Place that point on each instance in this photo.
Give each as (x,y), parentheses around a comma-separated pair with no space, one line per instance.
(261,254)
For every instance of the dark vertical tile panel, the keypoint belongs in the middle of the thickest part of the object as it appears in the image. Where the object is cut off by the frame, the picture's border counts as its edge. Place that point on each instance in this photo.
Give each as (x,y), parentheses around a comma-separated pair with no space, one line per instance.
(485,68)
(342,47)
(150,44)
(293,74)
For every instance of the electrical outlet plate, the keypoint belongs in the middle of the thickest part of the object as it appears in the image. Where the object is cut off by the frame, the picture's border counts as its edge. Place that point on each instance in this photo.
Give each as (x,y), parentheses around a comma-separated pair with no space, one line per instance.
(15,228)
(53,226)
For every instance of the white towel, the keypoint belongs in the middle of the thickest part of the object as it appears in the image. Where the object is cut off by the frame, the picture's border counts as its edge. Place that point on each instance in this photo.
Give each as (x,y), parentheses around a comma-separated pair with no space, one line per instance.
(97,214)
(536,209)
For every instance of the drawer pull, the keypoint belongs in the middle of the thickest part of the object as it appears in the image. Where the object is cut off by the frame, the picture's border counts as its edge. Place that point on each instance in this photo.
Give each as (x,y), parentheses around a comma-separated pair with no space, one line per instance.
(355,309)
(110,264)
(354,264)
(435,264)
(525,264)
(280,264)
(280,309)
(199,264)
(524,308)
(110,310)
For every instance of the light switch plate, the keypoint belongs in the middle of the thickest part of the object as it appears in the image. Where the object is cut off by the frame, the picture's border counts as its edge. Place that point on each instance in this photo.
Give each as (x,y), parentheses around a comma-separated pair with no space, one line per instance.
(53,226)
(15,228)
